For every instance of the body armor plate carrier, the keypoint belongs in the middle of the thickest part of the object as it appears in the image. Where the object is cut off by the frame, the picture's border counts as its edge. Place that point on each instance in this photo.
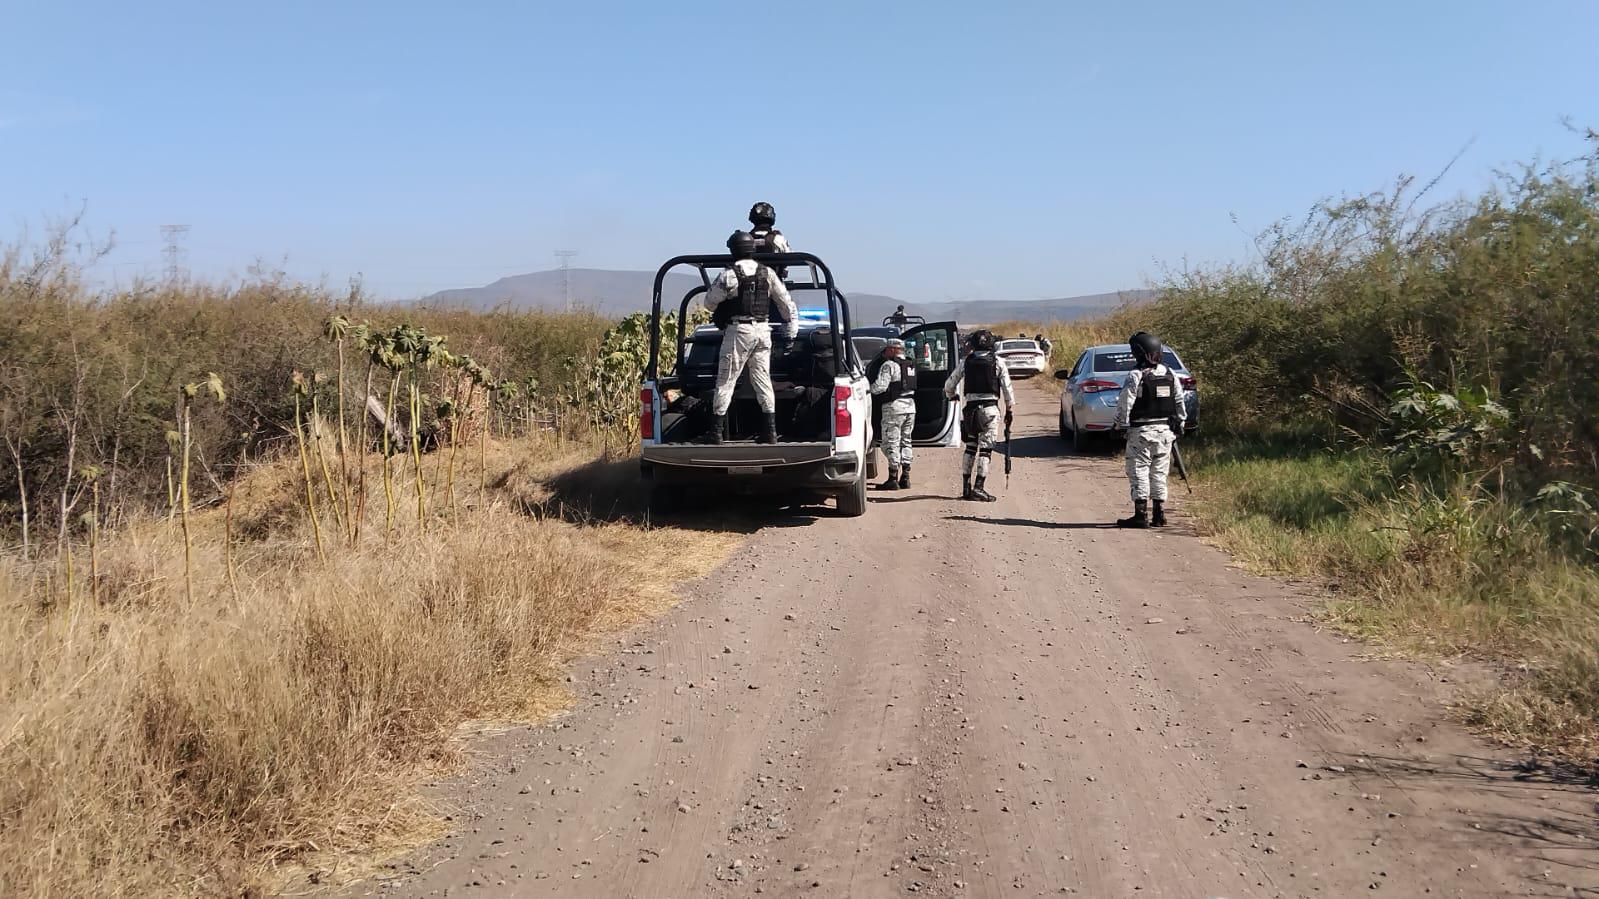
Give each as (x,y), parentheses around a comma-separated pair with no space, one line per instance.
(753,299)
(765,239)
(905,386)
(982,374)
(1157,400)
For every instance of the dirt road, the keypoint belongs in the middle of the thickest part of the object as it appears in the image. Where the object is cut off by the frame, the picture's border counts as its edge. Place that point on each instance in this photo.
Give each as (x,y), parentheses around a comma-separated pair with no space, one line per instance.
(1007,699)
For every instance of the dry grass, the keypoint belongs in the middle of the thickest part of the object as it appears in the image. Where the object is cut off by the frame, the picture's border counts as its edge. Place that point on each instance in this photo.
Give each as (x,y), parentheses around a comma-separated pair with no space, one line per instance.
(152,747)
(1424,575)
(1417,572)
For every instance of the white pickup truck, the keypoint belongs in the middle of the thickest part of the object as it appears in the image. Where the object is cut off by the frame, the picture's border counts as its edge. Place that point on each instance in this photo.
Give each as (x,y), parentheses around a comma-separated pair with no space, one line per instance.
(824,404)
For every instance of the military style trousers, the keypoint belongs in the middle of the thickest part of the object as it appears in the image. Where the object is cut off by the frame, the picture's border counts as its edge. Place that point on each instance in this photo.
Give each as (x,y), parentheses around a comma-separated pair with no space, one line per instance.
(745,345)
(899,419)
(979,431)
(1149,460)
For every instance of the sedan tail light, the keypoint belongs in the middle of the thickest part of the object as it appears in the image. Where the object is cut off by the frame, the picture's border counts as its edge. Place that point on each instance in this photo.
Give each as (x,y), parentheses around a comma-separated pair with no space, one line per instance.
(1096,385)
(843,422)
(646,413)
(1188,382)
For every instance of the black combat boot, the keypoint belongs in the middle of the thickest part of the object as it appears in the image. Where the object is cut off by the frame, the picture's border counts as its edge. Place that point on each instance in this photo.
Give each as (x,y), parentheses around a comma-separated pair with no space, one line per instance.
(768,428)
(905,477)
(893,480)
(713,434)
(1159,519)
(1139,518)
(978,493)
(966,488)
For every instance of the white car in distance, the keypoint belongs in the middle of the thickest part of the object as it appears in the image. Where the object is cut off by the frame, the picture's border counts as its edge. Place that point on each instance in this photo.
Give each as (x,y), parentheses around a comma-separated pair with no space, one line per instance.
(1023,356)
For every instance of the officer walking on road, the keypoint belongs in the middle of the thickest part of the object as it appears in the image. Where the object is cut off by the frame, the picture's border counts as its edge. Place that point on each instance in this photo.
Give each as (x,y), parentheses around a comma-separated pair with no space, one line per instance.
(894,378)
(986,379)
(753,289)
(1150,408)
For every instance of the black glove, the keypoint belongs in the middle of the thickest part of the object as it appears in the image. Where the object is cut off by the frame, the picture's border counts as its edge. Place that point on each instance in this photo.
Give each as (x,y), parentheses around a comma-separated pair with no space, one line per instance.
(1008,417)
(783,343)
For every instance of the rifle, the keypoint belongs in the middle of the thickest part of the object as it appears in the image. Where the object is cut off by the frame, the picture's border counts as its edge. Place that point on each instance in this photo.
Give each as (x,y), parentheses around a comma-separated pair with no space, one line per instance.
(1007,448)
(1182,470)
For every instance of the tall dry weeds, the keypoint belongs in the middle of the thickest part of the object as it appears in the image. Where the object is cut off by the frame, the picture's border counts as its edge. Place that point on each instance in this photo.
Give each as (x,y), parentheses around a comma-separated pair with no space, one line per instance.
(150,745)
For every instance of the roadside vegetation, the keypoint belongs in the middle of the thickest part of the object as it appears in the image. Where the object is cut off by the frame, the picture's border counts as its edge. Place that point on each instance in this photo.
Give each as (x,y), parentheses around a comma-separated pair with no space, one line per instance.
(1402,399)
(269,548)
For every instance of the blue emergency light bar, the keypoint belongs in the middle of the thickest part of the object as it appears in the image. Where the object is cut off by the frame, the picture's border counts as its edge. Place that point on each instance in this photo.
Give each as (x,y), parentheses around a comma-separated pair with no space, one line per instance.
(813,315)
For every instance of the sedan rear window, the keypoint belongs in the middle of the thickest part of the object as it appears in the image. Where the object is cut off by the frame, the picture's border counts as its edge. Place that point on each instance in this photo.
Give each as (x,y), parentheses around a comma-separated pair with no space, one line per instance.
(1123,361)
(1011,345)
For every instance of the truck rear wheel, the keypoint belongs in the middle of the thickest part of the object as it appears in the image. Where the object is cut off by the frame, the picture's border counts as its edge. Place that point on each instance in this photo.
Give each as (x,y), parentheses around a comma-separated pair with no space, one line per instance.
(852,500)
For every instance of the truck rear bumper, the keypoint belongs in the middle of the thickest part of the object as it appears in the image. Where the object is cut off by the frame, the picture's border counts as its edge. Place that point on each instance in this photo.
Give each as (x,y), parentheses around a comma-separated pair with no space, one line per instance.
(752,469)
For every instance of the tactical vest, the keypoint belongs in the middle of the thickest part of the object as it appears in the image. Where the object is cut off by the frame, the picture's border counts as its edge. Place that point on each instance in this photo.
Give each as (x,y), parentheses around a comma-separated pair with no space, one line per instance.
(982,374)
(754,295)
(765,239)
(904,386)
(1157,400)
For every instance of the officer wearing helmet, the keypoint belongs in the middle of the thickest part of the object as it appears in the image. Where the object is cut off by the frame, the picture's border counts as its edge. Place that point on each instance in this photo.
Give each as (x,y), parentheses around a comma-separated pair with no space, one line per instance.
(986,379)
(763,227)
(1150,408)
(893,377)
(741,302)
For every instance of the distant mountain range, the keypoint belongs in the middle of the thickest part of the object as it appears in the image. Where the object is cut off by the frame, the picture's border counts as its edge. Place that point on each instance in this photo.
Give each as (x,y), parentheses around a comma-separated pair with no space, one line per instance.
(617,293)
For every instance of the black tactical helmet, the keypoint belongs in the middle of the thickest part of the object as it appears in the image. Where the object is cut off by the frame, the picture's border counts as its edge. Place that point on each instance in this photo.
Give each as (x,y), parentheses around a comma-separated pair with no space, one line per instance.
(741,245)
(981,340)
(763,214)
(1146,349)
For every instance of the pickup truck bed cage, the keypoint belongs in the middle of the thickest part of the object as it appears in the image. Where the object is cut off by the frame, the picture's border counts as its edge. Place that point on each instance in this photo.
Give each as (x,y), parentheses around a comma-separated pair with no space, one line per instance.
(821,278)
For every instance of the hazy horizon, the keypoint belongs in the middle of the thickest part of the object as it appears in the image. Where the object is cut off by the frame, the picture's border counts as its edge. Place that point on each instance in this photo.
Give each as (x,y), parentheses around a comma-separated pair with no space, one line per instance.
(929,153)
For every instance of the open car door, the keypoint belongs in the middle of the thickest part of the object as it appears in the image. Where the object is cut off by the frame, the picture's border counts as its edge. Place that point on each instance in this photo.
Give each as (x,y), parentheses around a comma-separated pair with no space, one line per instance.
(933,348)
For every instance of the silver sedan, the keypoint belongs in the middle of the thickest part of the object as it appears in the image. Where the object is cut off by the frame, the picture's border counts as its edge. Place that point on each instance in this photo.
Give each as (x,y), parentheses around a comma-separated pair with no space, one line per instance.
(1088,398)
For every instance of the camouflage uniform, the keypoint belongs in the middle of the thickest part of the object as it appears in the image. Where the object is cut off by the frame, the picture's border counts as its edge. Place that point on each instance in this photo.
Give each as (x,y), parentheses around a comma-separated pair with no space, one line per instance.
(984,416)
(748,344)
(1149,445)
(899,417)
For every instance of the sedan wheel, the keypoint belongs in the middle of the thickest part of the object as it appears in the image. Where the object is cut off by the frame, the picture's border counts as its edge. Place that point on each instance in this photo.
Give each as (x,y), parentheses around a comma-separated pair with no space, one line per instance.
(1079,438)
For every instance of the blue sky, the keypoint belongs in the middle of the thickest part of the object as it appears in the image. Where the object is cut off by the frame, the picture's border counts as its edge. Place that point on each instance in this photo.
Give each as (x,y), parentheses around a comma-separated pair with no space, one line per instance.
(928,150)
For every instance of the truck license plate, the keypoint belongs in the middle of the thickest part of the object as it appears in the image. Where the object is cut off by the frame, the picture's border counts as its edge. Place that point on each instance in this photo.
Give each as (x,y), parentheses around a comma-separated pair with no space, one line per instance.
(744,469)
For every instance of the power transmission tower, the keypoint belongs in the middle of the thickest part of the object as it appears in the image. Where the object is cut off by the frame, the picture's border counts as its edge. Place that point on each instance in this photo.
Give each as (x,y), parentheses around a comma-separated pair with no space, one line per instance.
(566,277)
(173,236)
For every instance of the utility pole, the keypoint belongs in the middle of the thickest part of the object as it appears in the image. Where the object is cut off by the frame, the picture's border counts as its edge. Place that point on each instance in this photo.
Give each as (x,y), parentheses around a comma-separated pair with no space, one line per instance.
(173,236)
(566,277)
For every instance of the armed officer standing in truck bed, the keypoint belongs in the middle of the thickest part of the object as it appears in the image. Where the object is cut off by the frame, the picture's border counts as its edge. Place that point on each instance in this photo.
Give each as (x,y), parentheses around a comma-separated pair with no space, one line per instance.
(986,379)
(763,227)
(741,301)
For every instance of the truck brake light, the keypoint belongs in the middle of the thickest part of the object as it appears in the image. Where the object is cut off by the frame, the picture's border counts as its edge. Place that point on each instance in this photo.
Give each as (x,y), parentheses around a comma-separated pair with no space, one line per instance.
(843,422)
(646,414)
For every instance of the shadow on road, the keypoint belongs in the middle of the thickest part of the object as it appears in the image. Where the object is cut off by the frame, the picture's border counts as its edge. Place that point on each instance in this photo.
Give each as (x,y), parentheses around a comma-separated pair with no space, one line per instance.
(1033,523)
(610,490)
(885,498)
(1043,446)
(1565,837)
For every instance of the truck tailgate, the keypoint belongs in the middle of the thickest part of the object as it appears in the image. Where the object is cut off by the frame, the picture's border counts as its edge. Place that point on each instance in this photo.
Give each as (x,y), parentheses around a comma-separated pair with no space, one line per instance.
(737,455)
